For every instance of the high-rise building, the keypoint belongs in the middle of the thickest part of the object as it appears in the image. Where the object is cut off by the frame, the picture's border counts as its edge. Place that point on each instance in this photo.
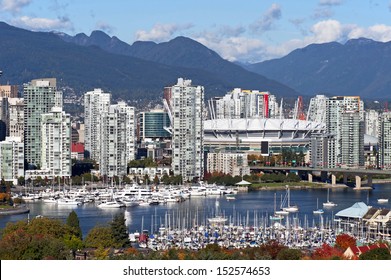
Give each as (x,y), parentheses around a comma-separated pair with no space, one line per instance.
(56,143)
(317,109)
(318,153)
(384,144)
(153,124)
(9,91)
(118,140)
(371,122)
(40,96)
(16,117)
(3,118)
(186,110)
(96,102)
(344,120)
(11,159)
(234,164)
(241,103)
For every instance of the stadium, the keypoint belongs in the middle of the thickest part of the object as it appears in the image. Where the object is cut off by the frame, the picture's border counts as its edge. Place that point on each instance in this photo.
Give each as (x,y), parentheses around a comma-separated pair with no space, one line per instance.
(259,135)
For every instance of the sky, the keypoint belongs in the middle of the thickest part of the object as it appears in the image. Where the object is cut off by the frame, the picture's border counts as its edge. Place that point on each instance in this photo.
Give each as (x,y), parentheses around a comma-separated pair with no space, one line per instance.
(243,30)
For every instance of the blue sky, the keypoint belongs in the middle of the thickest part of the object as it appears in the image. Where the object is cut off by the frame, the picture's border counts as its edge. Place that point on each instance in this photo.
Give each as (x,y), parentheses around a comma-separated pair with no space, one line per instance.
(244,30)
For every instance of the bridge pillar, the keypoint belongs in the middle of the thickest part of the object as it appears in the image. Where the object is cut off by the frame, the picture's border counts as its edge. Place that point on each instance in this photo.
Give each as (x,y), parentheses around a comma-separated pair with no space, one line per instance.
(358,182)
(323,176)
(310,177)
(333,179)
(370,180)
(345,178)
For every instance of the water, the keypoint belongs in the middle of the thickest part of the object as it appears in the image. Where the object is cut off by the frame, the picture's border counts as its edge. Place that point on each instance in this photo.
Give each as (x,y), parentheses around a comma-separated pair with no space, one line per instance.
(247,209)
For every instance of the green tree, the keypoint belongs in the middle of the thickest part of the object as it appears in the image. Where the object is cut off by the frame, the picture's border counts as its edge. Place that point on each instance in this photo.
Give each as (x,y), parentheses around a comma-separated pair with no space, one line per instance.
(73,222)
(119,231)
(21,181)
(376,254)
(99,236)
(289,254)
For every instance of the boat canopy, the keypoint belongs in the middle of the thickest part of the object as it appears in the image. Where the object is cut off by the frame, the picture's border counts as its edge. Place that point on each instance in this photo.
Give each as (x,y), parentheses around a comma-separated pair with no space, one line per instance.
(358,210)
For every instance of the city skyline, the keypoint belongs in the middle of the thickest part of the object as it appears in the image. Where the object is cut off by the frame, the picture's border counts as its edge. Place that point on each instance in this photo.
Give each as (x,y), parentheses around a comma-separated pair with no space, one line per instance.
(253,31)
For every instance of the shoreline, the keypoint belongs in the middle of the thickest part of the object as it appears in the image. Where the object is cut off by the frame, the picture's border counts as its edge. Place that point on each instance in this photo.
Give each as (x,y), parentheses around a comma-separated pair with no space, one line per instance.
(14,211)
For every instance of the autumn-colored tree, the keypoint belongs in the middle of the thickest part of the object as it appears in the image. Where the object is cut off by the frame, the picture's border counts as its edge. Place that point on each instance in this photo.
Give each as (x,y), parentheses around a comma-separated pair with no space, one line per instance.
(344,241)
(99,236)
(327,252)
(272,248)
(39,239)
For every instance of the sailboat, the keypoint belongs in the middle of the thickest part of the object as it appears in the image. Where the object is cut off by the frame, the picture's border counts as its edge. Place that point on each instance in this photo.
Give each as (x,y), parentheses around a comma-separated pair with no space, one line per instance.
(276,216)
(318,210)
(329,203)
(290,208)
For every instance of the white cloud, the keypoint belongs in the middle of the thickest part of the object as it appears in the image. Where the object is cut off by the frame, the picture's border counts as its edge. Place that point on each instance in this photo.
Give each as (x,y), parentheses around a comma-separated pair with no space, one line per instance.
(104,26)
(330,2)
(13,6)
(379,32)
(234,48)
(43,24)
(266,22)
(161,32)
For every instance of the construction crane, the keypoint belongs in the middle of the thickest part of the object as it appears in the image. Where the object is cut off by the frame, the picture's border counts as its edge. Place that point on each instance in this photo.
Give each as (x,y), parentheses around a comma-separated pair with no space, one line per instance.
(298,111)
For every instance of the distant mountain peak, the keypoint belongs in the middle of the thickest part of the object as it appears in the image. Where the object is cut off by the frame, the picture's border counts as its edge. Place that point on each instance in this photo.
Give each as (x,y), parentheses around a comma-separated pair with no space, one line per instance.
(360,41)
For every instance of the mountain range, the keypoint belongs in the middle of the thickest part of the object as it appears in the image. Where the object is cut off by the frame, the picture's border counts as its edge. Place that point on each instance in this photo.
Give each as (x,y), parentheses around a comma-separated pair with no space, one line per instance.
(84,63)
(359,67)
(141,70)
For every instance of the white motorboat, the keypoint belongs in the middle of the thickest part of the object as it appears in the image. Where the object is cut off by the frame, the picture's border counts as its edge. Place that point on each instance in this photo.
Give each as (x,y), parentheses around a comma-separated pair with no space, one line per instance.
(110,204)
(68,201)
(382,200)
(50,200)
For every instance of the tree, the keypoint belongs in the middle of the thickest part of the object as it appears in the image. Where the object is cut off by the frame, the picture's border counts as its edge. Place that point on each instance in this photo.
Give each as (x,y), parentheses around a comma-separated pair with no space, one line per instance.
(99,236)
(21,181)
(289,254)
(73,222)
(119,231)
(376,254)
(344,241)
(326,252)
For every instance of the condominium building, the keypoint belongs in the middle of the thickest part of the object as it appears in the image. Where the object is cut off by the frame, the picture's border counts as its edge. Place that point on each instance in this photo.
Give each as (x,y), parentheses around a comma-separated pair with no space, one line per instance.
(241,103)
(56,143)
(118,140)
(153,124)
(16,117)
(318,152)
(234,164)
(317,109)
(96,102)
(40,96)
(344,120)
(384,145)
(9,91)
(185,108)
(3,118)
(371,122)
(11,159)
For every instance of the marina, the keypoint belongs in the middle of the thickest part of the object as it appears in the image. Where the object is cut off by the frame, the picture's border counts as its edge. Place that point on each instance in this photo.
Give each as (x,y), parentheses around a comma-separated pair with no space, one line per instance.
(248,220)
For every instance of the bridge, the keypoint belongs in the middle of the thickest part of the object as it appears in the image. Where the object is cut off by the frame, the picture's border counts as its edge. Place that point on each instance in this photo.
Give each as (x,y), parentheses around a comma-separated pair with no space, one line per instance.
(357,172)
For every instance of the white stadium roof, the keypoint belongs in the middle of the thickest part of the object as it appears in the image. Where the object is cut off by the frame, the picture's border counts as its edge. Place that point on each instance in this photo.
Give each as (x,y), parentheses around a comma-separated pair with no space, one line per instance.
(260,124)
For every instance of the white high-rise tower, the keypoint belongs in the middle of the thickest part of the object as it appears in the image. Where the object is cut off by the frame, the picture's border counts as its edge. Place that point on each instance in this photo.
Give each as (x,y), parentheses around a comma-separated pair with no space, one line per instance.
(185,105)
(96,102)
(118,140)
